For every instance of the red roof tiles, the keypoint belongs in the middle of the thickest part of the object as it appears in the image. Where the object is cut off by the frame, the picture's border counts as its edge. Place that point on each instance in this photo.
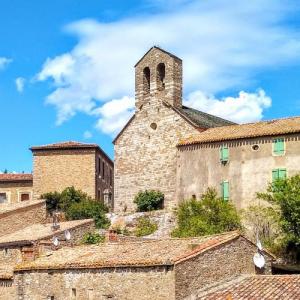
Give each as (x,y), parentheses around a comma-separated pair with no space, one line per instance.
(15,177)
(250,130)
(65,145)
(262,287)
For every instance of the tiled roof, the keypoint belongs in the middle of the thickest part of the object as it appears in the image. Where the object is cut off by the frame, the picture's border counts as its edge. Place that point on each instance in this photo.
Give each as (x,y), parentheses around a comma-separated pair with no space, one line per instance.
(129,253)
(262,287)
(38,232)
(15,177)
(202,119)
(7,207)
(250,130)
(65,145)
(6,272)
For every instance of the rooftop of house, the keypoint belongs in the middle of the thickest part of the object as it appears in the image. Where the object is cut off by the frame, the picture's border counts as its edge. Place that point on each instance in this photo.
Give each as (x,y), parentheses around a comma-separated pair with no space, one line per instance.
(129,253)
(10,177)
(64,145)
(264,287)
(8,207)
(250,130)
(37,232)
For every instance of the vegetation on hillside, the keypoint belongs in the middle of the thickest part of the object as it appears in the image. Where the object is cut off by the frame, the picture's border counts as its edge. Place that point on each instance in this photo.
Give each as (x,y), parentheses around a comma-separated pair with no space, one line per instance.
(145,226)
(209,215)
(93,238)
(77,205)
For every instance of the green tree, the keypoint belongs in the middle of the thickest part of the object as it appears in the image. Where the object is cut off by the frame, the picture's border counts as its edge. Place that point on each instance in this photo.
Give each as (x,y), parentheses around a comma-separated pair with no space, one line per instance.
(210,215)
(52,201)
(284,195)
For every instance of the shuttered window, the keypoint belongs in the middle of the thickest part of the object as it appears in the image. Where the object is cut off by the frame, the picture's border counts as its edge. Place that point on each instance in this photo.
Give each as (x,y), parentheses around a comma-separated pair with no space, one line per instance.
(225,190)
(278,146)
(224,153)
(278,174)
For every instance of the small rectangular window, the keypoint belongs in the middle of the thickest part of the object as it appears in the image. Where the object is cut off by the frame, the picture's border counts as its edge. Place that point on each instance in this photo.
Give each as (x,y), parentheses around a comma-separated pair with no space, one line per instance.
(103,170)
(278,147)
(224,153)
(225,190)
(99,166)
(73,293)
(278,174)
(110,177)
(3,197)
(25,197)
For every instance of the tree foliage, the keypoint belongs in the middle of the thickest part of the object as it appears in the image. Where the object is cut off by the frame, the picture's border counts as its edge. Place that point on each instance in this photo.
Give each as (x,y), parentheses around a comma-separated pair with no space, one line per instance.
(93,238)
(210,215)
(145,226)
(149,200)
(284,194)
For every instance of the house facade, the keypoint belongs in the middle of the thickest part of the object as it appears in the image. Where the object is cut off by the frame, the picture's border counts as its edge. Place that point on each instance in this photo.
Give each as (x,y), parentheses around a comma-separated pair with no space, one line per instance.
(84,166)
(145,150)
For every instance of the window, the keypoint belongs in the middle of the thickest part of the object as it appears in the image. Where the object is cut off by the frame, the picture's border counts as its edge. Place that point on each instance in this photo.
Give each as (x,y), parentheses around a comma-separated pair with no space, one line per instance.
(224,154)
(146,80)
(161,73)
(278,174)
(25,197)
(110,177)
(3,197)
(103,171)
(99,166)
(278,147)
(225,190)
(73,293)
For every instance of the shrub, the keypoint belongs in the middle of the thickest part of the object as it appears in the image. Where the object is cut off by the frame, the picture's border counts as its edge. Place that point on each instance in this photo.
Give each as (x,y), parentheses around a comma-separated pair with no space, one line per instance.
(210,215)
(145,226)
(52,201)
(93,238)
(88,209)
(149,200)
(284,194)
(70,195)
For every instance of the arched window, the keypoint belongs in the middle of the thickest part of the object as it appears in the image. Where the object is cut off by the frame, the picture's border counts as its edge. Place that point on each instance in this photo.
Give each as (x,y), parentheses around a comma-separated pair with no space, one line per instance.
(146,80)
(161,73)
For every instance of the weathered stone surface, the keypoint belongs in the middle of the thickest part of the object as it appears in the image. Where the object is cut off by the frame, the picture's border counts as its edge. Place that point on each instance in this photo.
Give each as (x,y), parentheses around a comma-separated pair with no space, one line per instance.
(13,190)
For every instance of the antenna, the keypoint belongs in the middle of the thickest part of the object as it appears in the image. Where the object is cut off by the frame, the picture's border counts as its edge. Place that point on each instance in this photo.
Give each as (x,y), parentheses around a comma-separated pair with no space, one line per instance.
(67,235)
(258,243)
(259,260)
(55,241)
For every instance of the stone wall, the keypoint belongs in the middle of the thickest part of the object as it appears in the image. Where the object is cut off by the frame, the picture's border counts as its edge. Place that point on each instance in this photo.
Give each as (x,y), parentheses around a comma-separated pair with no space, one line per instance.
(146,283)
(22,216)
(14,189)
(7,289)
(55,170)
(220,263)
(248,171)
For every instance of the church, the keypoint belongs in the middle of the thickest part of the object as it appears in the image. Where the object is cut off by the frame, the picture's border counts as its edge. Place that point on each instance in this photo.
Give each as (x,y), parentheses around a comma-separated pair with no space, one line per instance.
(181,151)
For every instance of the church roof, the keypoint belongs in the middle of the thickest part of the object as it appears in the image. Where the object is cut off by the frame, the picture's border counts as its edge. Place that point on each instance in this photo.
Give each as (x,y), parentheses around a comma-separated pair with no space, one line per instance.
(250,130)
(202,119)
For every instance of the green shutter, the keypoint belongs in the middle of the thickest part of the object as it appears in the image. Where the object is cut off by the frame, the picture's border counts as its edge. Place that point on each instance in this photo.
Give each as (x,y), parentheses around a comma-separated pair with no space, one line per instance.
(275,174)
(225,190)
(278,147)
(224,153)
(282,173)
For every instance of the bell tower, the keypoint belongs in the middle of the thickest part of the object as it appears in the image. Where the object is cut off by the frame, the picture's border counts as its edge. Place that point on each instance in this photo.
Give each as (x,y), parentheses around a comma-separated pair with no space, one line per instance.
(158,74)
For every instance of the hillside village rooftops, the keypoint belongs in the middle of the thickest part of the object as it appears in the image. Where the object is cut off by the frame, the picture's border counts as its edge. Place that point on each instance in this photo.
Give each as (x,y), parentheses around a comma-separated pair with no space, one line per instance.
(250,130)
(164,252)
(256,287)
(38,232)
(9,207)
(15,177)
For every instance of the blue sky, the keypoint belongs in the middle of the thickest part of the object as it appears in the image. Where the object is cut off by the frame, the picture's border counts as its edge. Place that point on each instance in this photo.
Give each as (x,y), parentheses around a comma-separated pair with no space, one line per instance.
(66,66)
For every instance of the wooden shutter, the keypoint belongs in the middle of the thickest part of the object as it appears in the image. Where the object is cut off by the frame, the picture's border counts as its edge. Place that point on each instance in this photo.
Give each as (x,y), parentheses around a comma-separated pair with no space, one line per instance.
(282,173)
(225,190)
(224,153)
(275,174)
(278,147)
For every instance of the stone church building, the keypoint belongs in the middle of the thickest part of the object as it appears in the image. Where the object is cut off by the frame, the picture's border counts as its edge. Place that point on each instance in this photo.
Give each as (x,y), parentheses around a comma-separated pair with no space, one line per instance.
(180,151)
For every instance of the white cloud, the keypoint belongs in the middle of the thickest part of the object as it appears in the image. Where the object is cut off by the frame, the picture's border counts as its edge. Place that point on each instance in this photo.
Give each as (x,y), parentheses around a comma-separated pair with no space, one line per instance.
(224,44)
(4,61)
(247,107)
(87,135)
(20,83)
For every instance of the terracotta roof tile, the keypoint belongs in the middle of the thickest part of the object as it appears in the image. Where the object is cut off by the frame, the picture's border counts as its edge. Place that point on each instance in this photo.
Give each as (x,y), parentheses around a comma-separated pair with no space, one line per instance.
(65,145)
(15,177)
(262,287)
(129,253)
(250,130)
(38,232)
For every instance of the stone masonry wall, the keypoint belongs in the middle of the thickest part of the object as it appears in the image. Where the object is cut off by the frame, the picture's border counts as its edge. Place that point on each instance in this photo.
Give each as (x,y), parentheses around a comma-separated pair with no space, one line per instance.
(145,283)
(7,290)
(57,169)
(19,218)
(247,171)
(221,263)
(13,189)
(145,158)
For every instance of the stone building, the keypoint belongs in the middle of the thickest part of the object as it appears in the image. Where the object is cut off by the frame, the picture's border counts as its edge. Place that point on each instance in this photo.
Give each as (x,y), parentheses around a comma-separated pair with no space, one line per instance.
(238,160)
(15,188)
(158,269)
(145,150)
(84,166)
